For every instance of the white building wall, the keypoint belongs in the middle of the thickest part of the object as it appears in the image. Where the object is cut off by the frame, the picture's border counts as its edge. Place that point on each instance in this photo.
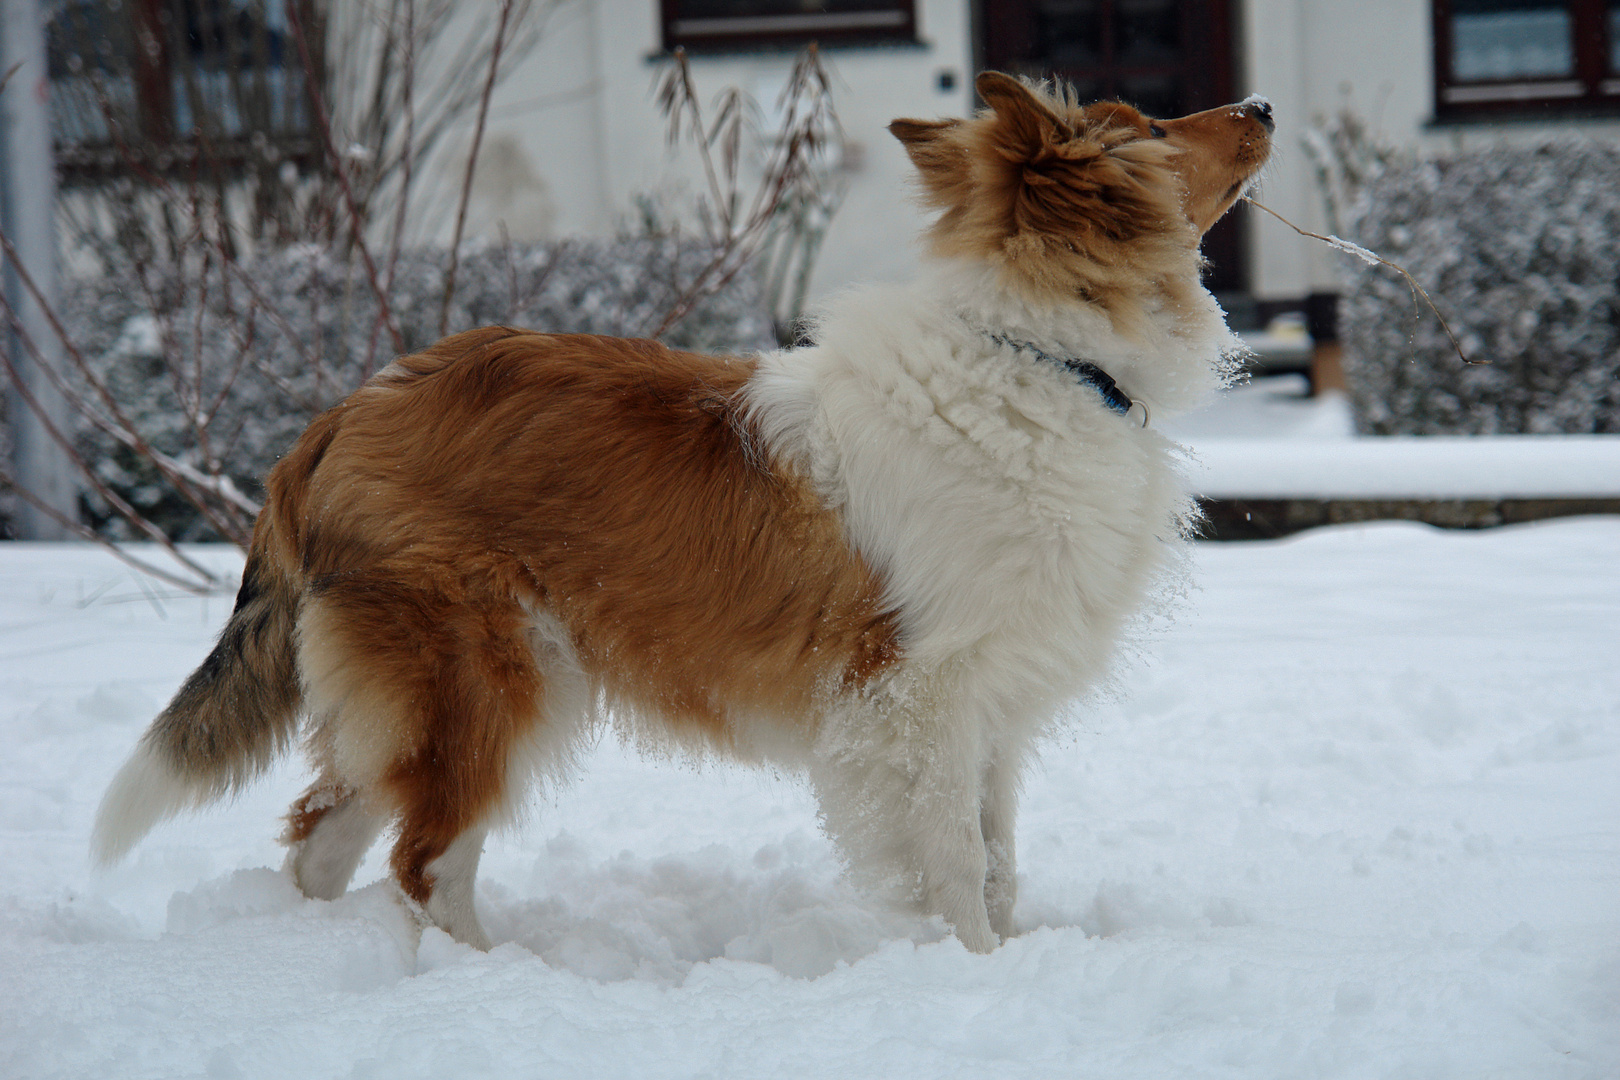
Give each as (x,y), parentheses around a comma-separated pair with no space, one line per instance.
(1313,58)
(574,134)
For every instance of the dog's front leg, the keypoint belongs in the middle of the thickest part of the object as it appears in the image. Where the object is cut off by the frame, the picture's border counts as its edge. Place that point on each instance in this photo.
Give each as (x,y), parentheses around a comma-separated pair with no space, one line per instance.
(952,860)
(903,799)
(998,811)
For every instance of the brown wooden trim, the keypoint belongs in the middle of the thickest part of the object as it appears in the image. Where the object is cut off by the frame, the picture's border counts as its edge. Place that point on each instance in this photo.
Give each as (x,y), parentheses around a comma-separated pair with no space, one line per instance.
(151,64)
(1589,91)
(1213,22)
(1591,41)
(895,23)
(155,55)
(1267,519)
(1007,29)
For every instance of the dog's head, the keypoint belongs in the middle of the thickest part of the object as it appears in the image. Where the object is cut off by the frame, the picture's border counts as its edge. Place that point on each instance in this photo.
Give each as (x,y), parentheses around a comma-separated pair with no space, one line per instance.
(1093,202)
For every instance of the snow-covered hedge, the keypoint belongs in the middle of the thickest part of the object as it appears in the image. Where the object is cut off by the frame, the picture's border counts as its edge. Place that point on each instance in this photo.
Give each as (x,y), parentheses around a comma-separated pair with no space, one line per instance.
(260,352)
(1520,248)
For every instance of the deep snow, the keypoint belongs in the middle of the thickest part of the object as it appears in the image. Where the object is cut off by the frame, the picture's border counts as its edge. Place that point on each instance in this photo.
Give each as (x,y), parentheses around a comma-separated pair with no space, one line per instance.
(1356,815)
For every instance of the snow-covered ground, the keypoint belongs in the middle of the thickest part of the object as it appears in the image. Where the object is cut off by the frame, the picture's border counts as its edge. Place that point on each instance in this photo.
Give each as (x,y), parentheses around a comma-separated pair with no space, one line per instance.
(1355,814)
(1275,408)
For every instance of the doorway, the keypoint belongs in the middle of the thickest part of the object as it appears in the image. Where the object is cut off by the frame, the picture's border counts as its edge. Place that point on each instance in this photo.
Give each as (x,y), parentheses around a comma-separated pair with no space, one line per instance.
(1166,57)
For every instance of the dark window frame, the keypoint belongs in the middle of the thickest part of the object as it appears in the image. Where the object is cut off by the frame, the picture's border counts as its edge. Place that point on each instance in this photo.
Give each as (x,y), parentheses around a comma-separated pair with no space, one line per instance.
(1591,90)
(148,114)
(894,24)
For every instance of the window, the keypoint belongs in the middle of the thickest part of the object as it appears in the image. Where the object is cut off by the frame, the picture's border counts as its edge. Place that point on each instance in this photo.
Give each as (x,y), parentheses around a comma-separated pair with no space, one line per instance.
(752,24)
(1495,57)
(149,83)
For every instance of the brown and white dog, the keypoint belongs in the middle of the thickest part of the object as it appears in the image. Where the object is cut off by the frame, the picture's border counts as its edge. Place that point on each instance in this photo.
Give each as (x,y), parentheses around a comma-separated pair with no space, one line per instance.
(887,559)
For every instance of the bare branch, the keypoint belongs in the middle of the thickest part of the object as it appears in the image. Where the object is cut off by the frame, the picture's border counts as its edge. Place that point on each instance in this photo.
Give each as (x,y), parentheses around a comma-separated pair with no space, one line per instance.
(403,197)
(108,400)
(1373,257)
(128,512)
(356,219)
(786,190)
(472,163)
(208,584)
(174,223)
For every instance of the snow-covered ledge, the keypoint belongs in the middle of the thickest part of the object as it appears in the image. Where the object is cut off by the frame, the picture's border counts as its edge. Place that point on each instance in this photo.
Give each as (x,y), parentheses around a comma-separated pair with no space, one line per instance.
(1428,467)
(1268,460)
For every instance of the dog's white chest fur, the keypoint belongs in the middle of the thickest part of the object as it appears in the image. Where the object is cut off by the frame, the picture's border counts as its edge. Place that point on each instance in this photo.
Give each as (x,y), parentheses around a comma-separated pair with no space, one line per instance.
(1018,522)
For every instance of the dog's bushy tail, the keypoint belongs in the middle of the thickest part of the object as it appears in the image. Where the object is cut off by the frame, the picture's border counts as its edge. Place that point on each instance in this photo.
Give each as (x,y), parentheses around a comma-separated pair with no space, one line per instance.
(228,721)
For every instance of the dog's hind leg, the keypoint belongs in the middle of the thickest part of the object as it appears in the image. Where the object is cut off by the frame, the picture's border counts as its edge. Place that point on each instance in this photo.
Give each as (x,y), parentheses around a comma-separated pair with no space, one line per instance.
(450,902)
(430,691)
(329,830)
(435,862)
(464,694)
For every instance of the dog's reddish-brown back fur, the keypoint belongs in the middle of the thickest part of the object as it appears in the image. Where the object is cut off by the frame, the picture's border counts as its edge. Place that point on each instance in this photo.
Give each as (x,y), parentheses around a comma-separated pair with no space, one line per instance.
(607,482)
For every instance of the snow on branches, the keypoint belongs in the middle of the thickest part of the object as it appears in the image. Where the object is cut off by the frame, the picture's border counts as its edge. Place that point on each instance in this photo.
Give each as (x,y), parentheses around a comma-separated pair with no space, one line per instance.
(1520,246)
(220,367)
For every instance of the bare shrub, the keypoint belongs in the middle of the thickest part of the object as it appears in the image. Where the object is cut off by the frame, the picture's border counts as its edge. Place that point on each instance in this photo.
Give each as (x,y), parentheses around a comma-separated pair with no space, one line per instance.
(223,381)
(231,300)
(1521,247)
(778,216)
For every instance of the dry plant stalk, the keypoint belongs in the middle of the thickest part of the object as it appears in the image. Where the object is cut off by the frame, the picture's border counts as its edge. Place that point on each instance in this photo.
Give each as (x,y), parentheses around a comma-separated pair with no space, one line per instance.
(1372,258)
(472,163)
(335,161)
(741,226)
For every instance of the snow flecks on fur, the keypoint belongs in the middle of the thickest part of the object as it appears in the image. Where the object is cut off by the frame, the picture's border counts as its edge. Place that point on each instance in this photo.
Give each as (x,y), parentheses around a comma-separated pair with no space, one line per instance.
(1021,528)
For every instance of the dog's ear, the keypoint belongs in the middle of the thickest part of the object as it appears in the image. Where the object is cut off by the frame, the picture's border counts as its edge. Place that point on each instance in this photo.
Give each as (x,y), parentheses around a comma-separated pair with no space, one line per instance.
(1071,179)
(1025,125)
(938,157)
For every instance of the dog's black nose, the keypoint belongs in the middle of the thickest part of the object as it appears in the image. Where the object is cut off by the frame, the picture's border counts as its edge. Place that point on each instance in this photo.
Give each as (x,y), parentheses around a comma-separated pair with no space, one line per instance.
(1260,109)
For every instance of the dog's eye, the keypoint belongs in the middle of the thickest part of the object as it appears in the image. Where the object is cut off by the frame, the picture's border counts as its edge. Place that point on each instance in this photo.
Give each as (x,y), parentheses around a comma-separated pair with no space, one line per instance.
(1156,131)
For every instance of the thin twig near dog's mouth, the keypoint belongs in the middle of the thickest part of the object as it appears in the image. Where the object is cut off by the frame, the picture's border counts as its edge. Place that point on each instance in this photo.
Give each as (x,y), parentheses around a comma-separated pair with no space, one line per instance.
(1373,257)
